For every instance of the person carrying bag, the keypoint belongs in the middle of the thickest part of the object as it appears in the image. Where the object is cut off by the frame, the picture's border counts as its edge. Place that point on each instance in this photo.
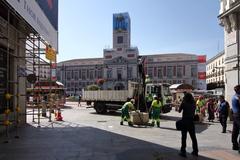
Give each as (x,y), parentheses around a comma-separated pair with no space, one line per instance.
(186,124)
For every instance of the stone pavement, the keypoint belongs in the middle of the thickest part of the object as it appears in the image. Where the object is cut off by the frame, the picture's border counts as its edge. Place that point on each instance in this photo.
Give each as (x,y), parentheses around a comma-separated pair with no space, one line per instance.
(85,135)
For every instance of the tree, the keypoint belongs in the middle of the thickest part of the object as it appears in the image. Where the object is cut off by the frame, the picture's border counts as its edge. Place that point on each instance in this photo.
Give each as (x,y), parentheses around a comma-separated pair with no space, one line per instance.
(93,87)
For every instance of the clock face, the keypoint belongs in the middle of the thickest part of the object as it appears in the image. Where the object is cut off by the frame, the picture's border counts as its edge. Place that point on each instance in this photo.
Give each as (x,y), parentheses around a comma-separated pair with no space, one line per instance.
(121,22)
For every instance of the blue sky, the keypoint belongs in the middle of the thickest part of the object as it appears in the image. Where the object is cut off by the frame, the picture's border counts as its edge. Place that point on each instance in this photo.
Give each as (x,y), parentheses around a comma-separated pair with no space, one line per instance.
(157,26)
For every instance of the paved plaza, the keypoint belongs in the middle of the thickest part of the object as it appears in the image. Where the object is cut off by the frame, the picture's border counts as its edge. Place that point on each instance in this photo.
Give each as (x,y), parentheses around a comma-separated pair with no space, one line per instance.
(85,135)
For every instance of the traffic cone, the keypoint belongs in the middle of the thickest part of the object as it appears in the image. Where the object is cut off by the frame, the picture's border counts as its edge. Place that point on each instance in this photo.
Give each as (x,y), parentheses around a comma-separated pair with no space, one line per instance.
(58,115)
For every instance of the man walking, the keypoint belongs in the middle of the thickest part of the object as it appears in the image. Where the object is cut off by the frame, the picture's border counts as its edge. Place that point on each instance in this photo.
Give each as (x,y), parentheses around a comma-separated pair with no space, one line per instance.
(236,118)
(223,113)
(79,100)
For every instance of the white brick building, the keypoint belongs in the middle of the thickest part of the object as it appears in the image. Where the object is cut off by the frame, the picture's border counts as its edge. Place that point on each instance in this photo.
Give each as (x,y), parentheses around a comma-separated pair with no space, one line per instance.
(120,64)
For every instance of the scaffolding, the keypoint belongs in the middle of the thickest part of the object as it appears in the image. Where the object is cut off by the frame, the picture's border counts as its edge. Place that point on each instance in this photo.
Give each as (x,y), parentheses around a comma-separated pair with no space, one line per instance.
(22,53)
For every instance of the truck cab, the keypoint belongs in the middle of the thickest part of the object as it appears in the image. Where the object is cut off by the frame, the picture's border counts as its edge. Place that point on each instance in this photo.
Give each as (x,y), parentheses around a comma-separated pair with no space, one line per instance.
(162,91)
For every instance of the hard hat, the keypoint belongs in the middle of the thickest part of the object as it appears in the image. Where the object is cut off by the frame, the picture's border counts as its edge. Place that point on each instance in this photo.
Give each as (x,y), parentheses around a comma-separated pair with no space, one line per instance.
(154,96)
(132,100)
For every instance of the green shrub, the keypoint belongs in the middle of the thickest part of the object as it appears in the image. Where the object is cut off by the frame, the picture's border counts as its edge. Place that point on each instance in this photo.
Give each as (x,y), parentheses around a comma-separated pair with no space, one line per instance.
(92,87)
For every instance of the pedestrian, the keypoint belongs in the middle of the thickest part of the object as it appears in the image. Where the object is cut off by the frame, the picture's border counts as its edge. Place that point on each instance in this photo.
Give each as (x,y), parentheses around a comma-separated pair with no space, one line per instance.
(200,106)
(236,118)
(188,106)
(125,111)
(216,106)
(156,109)
(149,99)
(223,113)
(211,110)
(79,100)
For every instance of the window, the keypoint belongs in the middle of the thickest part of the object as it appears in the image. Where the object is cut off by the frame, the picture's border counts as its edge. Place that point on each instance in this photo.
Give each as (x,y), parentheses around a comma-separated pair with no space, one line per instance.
(179,81)
(179,71)
(68,75)
(169,71)
(129,72)
(150,72)
(160,72)
(83,74)
(87,74)
(120,39)
(76,75)
(119,74)
(91,74)
(109,73)
(80,74)
(194,70)
(68,85)
(194,83)
(72,76)
(100,73)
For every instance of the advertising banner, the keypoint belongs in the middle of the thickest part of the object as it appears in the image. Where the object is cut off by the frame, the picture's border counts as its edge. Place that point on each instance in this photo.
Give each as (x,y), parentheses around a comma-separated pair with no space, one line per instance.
(201,59)
(43,21)
(50,9)
(50,54)
(202,72)
(201,75)
(53,72)
(121,22)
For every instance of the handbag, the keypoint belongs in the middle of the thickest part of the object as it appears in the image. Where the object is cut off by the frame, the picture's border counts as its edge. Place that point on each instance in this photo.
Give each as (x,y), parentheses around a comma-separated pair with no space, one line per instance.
(179,125)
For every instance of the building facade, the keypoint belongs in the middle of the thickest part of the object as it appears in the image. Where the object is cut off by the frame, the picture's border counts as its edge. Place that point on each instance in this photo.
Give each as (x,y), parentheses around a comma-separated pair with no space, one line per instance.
(215,72)
(120,64)
(22,34)
(229,19)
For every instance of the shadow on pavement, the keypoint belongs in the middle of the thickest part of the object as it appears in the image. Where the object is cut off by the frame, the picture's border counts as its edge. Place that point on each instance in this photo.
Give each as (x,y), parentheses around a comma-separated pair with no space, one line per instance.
(67,107)
(82,143)
(173,129)
(109,113)
(171,118)
(200,127)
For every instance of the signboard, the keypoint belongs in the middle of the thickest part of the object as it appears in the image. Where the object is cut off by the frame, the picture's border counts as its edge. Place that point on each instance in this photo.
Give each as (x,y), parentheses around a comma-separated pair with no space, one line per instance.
(201,59)
(201,75)
(50,9)
(50,54)
(31,11)
(201,72)
(121,22)
(53,72)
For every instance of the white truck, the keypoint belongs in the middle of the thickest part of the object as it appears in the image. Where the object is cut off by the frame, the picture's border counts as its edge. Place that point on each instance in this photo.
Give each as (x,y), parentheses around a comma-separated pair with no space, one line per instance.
(161,90)
(112,100)
(107,100)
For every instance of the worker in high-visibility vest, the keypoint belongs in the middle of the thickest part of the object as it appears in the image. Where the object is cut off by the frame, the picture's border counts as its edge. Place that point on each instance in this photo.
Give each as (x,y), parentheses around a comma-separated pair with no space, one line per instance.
(125,111)
(149,99)
(147,79)
(156,109)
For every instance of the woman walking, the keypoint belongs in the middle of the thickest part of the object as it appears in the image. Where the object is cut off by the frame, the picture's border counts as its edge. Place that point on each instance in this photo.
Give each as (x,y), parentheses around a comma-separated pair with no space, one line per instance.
(211,110)
(188,107)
